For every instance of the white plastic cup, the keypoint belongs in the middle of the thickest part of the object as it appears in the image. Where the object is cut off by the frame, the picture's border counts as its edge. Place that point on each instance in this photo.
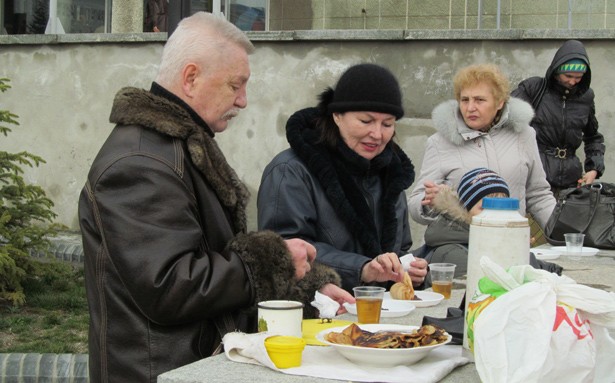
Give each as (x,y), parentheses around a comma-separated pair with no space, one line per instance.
(574,242)
(280,317)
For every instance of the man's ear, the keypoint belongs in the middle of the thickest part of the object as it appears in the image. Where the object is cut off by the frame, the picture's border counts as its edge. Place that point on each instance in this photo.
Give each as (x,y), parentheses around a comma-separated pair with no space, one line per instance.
(189,76)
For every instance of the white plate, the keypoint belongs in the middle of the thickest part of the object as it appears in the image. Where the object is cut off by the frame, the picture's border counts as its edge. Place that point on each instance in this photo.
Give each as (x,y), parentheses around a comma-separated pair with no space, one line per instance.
(390,308)
(585,251)
(428,298)
(546,254)
(381,357)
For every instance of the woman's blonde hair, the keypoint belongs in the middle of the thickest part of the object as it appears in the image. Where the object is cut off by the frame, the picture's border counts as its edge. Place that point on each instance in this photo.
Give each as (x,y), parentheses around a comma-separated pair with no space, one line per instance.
(482,73)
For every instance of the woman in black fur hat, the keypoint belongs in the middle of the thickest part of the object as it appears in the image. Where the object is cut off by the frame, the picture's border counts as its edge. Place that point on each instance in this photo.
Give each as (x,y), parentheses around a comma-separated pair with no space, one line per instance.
(341,184)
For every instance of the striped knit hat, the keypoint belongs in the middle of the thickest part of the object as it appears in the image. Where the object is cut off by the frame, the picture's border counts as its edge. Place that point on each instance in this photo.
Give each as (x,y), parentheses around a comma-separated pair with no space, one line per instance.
(576,65)
(479,183)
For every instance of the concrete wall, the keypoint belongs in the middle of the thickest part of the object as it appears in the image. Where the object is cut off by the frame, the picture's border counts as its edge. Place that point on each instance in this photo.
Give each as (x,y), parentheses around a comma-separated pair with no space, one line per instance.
(63,92)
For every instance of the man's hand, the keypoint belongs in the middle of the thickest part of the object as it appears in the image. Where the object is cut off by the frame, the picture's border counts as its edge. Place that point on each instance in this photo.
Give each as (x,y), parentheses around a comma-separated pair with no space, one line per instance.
(385,267)
(418,271)
(303,255)
(338,294)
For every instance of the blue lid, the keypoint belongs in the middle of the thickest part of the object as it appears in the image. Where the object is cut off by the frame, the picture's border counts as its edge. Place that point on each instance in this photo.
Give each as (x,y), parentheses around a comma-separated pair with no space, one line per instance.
(501,203)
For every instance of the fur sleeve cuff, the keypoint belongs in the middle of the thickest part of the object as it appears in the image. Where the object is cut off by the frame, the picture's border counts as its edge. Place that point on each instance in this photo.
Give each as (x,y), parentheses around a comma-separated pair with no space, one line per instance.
(272,273)
(269,265)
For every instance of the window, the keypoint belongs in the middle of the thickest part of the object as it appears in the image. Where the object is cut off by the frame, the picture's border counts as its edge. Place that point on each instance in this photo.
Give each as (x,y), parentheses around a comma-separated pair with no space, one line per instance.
(71,16)
(248,15)
(94,16)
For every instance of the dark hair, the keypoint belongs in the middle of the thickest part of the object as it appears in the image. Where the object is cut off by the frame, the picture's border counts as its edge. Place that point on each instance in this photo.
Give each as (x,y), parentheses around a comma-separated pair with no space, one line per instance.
(329,131)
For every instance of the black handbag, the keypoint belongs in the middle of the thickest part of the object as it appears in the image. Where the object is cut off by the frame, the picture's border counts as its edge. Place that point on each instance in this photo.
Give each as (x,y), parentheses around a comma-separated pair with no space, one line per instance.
(452,324)
(589,209)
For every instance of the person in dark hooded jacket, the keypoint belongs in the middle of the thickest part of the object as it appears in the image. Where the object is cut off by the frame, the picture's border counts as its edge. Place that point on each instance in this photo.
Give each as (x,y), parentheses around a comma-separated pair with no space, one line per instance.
(341,184)
(565,117)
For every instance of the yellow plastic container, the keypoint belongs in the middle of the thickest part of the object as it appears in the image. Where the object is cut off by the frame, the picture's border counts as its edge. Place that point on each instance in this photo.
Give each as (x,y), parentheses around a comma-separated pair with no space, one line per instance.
(285,351)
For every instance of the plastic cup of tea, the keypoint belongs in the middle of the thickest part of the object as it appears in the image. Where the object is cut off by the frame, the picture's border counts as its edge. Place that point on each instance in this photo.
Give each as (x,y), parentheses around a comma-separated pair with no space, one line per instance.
(442,278)
(369,303)
(574,242)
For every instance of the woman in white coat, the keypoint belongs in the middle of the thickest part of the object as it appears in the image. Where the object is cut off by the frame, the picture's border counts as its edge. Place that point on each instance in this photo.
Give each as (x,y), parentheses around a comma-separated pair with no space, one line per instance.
(483,127)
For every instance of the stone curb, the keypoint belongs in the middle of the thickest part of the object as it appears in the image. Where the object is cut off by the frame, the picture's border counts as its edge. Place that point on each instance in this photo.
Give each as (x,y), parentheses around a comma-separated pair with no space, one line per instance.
(65,368)
(66,246)
(61,368)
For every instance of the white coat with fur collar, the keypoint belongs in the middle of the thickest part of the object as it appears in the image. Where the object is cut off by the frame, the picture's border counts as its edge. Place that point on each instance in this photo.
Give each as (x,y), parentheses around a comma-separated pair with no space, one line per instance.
(509,148)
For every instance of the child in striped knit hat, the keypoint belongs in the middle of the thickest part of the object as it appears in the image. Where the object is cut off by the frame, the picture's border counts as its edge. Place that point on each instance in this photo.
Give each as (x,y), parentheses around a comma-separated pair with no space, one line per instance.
(446,238)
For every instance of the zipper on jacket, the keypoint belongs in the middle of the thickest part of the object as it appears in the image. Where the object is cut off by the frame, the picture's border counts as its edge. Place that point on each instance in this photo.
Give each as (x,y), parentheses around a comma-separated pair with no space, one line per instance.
(564,120)
(560,173)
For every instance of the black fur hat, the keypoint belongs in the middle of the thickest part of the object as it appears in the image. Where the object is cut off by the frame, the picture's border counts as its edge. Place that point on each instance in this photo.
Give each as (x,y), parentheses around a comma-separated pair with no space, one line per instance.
(364,87)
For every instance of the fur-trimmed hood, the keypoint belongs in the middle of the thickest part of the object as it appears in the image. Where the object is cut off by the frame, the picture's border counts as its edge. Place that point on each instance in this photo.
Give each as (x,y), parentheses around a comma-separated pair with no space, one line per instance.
(447,202)
(452,225)
(447,120)
(164,112)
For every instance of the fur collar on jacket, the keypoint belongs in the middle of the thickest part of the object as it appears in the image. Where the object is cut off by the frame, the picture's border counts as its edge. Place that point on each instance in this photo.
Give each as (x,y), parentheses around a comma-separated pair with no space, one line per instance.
(163,112)
(447,120)
(452,225)
(334,174)
(447,203)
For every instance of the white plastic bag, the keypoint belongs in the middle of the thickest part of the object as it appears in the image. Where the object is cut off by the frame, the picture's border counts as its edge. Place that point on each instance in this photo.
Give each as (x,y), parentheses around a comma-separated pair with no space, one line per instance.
(546,328)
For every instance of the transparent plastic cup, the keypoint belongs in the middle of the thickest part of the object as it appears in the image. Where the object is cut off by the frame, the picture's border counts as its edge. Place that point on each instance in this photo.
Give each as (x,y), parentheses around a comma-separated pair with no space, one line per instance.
(369,303)
(442,278)
(574,242)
